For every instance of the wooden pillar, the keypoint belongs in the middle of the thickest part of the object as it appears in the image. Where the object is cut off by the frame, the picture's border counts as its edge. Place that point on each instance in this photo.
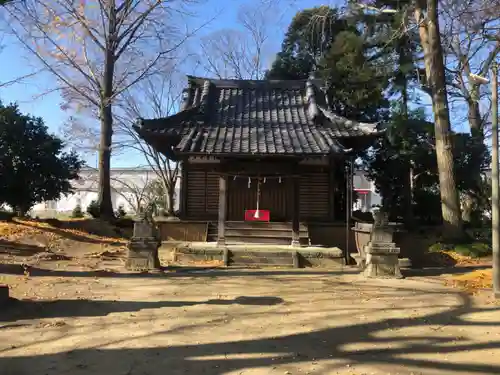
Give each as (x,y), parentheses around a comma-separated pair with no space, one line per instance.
(331,188)
(296,212)
(221,238)
(183,191)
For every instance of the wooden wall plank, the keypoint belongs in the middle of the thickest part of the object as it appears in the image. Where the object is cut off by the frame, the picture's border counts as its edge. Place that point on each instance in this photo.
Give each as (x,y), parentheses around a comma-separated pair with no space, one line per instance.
(202,194)
(314,196)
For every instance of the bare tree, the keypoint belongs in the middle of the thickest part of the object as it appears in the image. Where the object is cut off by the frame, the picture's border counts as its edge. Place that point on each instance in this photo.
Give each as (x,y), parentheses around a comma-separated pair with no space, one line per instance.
(427,18)
(144,195)
(154,97)
(97,51)
(141,191)
(239,52)
(471,41)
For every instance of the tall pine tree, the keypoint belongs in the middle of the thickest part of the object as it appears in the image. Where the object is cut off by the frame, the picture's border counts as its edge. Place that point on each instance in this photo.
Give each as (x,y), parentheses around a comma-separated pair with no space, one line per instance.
(324,42)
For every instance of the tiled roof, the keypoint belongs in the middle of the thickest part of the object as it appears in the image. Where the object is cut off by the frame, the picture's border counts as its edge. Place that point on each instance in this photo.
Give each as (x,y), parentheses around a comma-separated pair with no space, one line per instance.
(255,117)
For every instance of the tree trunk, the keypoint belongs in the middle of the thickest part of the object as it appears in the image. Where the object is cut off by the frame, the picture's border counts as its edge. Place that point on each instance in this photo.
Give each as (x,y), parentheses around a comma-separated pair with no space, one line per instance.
(21,211)
(170,200)
(409,218)
(470,201)
(434,66)
(474,117)
(105,204)
(106,116)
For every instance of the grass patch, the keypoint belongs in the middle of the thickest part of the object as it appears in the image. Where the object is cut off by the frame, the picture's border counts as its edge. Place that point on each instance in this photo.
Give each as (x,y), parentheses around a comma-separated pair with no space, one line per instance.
(473,249)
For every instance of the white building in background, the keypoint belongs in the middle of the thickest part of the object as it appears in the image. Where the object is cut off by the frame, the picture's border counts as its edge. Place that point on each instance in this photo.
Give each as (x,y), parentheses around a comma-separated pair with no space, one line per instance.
(126,185)
(367,195)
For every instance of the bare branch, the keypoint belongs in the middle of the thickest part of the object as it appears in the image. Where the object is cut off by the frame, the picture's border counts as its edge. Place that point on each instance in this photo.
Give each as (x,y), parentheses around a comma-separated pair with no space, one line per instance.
(239,52)
(21,78)
(98,51)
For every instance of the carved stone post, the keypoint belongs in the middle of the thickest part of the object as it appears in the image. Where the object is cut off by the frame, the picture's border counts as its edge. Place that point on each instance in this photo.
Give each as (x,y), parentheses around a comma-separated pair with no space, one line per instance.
(143,246)
(381,253)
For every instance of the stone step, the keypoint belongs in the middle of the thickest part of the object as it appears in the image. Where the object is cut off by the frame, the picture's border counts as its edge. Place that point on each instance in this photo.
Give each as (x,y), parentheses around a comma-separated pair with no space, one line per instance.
(262,255)
(261,258)
(241,261)
(262,225)
(258,232)
(236,240)
(261,265)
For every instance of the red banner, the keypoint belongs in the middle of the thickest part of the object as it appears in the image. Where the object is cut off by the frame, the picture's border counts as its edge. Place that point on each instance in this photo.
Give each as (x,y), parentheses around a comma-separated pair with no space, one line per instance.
(362,191)
(260,215)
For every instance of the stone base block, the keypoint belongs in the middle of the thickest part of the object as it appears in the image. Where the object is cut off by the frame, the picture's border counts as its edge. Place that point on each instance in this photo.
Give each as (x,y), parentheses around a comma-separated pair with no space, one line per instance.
(143,256)
(382,266)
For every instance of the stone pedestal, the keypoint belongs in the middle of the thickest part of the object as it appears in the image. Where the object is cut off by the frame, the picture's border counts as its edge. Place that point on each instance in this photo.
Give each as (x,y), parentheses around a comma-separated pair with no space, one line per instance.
(381,253)
(382,263)
(143,247)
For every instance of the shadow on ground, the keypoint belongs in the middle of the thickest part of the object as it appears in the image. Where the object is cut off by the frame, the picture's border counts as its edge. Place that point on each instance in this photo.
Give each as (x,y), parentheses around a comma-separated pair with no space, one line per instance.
(174,271)
(332,347)
(28,309)
(19,249)
(167,272)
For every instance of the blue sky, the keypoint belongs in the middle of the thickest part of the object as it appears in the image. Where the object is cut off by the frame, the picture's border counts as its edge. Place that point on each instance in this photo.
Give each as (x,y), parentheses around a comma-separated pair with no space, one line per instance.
(32,96)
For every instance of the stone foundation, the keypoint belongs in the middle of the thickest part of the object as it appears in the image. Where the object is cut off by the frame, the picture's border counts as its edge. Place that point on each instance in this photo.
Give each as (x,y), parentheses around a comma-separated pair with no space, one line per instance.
(382,266)
(253,255)
(143,254)
(143,247)
(381,254)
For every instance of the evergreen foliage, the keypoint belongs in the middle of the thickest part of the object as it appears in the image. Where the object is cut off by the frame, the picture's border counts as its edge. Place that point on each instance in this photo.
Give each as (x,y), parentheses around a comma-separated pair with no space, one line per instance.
(33,164)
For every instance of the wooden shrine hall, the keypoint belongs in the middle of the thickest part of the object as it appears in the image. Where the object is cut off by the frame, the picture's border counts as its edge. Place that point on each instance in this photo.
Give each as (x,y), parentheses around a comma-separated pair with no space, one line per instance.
(261,161)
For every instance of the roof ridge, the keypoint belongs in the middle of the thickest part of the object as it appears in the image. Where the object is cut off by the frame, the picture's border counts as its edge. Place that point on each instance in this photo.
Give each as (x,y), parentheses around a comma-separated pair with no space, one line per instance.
(251,83)
(312,107)
(365,127)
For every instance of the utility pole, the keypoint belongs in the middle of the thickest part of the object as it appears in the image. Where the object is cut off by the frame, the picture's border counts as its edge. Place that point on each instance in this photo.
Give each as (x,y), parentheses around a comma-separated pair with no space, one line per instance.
(495,204)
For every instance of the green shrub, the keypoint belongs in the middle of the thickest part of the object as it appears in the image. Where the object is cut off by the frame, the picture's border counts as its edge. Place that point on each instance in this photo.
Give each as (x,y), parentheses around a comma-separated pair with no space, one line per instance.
(438,246)
(93,209)
(77,212)
(482,234)
(475,249)
(120,212)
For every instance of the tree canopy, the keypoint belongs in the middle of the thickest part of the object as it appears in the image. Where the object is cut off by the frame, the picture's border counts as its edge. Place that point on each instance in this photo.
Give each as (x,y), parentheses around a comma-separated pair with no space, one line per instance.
(33,164)
(323,42)
(409,147)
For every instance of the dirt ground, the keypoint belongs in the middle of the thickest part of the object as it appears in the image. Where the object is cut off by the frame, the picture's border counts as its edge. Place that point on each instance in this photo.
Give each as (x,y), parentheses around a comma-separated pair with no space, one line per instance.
(72,320)
(77,312)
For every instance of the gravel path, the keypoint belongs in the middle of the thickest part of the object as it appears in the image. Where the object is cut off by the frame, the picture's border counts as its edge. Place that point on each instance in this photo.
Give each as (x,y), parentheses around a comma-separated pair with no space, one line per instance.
(243,322)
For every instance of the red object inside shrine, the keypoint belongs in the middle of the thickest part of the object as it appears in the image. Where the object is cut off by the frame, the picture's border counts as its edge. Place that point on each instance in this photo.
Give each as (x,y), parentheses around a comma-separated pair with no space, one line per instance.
(263,215)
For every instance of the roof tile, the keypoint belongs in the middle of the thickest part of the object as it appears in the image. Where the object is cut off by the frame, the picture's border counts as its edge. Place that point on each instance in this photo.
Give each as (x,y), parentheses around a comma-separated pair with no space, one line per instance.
(256,117)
